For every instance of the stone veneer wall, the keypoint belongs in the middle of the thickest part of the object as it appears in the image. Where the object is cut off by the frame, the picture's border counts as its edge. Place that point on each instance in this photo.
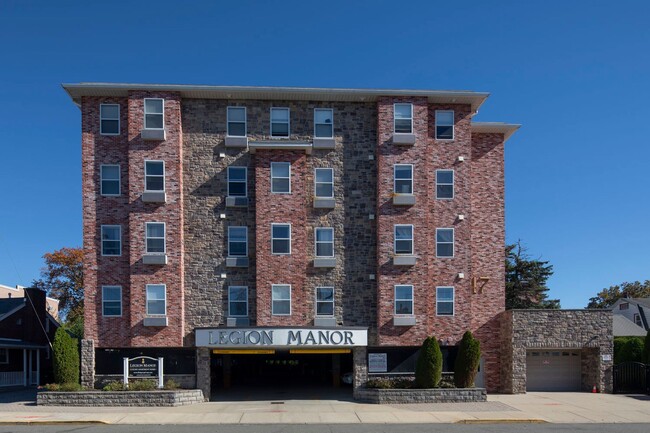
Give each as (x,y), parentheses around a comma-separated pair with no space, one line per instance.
(588,330)
(123,398)
(436,395)
(205,186)
(87,363)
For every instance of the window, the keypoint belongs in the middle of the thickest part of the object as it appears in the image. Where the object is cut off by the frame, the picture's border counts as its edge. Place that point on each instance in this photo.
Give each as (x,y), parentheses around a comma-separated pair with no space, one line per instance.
(280,238)
(154,175)
(156,299)
(153,113)
(324,242)
(444,242)
(404,299)
(281,177)
(444,184)
(404,239)
(281,299)
(403,117)
(237,181)
(109,119)
(155,238)
(111,240)
(237,301)
(445,301)
(444,125)
(236,121)
(324,301)
(637,320)
(324,182)
(279,122)
(112,301)
(323,123)
(403,174)
(624,306)
(4,356)
(109,179)
(237,241)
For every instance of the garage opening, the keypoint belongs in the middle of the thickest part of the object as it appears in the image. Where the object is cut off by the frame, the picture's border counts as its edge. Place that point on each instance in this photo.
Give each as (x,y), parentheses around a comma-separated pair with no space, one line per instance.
(553,370)
(281,374)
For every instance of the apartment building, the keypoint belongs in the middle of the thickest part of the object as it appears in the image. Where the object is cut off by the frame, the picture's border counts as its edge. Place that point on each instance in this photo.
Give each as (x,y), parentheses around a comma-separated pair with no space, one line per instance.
(266,235)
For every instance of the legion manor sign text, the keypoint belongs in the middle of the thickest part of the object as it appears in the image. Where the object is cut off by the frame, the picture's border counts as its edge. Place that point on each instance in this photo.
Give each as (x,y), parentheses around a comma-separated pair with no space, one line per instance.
(281,337)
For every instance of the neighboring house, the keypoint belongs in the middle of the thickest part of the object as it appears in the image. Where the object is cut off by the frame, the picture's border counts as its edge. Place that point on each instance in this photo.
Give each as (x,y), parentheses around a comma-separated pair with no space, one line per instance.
(19,292)
(282,235)
(26,333)
(631,316)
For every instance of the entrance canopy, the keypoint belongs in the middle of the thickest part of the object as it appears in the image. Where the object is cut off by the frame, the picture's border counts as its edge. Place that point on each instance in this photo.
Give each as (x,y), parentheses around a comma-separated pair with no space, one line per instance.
(287,338)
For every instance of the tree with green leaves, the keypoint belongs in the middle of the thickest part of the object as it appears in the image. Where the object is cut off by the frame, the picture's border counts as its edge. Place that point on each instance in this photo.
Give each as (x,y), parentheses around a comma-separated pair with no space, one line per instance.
(65,357)
(428,370)
(646,349)
(467,361)
(606,298)
(526,280)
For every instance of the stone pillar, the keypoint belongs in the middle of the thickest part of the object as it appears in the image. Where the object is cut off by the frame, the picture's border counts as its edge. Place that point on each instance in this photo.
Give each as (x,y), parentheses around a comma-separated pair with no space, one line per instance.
(88,363)
(203,377)
(360,367)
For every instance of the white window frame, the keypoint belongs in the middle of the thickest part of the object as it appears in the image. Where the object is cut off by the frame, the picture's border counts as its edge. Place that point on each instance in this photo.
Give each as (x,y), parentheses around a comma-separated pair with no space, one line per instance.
(324,302)
(245,180)
(395,226)
(246,231)
(316,182)
(281,239)
(146,294)
(146,237)
(101,118)
(453,125)
(316,241)
(4,355)
(101,237)
(230,314)
(234,121)
(331,110)
(154,175)
(104,301)
(453,184)
(395,179)
(119,180)
(453,301)
(273,299)
(288,123)
(395,117)
(453,242)
(279,177)
(145,112)
(395,299)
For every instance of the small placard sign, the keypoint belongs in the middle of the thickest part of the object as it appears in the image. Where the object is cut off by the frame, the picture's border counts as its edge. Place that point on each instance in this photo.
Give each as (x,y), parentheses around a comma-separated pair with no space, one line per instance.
(606,357)
(377,362)
(143,366)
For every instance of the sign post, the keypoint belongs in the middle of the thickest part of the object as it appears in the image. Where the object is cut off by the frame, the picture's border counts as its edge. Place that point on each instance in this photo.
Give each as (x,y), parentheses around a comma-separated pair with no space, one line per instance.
(143,367)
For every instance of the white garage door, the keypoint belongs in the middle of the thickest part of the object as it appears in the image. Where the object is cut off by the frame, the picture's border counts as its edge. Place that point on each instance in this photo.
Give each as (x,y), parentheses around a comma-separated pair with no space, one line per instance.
(553,370)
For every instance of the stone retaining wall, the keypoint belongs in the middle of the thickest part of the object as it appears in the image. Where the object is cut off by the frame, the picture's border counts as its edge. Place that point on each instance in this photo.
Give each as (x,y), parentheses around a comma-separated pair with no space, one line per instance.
(436,395)
(125,398)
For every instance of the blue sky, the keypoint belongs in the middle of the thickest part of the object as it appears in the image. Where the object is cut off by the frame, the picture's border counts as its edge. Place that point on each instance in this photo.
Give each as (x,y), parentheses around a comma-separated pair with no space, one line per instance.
(574,73)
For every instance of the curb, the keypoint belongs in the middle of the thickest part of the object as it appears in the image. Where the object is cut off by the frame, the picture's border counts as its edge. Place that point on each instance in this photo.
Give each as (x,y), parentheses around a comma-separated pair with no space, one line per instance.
(502,421)
(53,422)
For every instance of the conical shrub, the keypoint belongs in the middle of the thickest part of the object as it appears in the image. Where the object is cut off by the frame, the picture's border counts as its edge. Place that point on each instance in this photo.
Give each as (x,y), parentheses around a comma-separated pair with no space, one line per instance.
(428,370)
(66,358)
(467,361)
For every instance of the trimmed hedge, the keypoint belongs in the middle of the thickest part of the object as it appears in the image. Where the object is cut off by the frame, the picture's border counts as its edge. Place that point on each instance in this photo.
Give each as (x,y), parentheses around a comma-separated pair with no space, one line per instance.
(66,358)
(646,349)
(428,370)
(628,349)
(467,361)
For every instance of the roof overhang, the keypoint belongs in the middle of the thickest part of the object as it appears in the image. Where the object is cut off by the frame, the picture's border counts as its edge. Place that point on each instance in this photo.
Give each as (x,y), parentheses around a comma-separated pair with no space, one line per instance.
(507,129)
(78,90)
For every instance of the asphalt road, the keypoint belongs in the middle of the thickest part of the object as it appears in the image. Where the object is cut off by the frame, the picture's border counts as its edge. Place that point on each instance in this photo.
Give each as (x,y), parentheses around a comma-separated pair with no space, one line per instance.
(352,428)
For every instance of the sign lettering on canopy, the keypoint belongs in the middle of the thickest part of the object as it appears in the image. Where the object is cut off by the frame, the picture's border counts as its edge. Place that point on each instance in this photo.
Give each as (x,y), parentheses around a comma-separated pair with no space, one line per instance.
(281,337)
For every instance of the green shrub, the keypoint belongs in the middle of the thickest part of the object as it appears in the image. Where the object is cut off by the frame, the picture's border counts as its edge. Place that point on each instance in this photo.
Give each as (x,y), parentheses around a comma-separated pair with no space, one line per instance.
(428,369)
(52,387)
(65,387)
(114,385)
(143,385)
(379,383)
(171,384)
(467,361)
(632,350)
(646,349)
(66,358)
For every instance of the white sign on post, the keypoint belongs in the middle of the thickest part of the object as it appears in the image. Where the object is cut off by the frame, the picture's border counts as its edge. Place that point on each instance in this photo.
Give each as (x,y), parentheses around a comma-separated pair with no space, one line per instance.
(143,367)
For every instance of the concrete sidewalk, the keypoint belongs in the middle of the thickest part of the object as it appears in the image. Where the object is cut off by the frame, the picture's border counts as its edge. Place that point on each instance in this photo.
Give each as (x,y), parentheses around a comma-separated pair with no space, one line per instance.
(531,407)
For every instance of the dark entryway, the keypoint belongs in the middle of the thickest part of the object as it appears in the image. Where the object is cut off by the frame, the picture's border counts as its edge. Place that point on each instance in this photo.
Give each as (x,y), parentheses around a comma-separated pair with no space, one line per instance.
(632,377)
(291,372)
